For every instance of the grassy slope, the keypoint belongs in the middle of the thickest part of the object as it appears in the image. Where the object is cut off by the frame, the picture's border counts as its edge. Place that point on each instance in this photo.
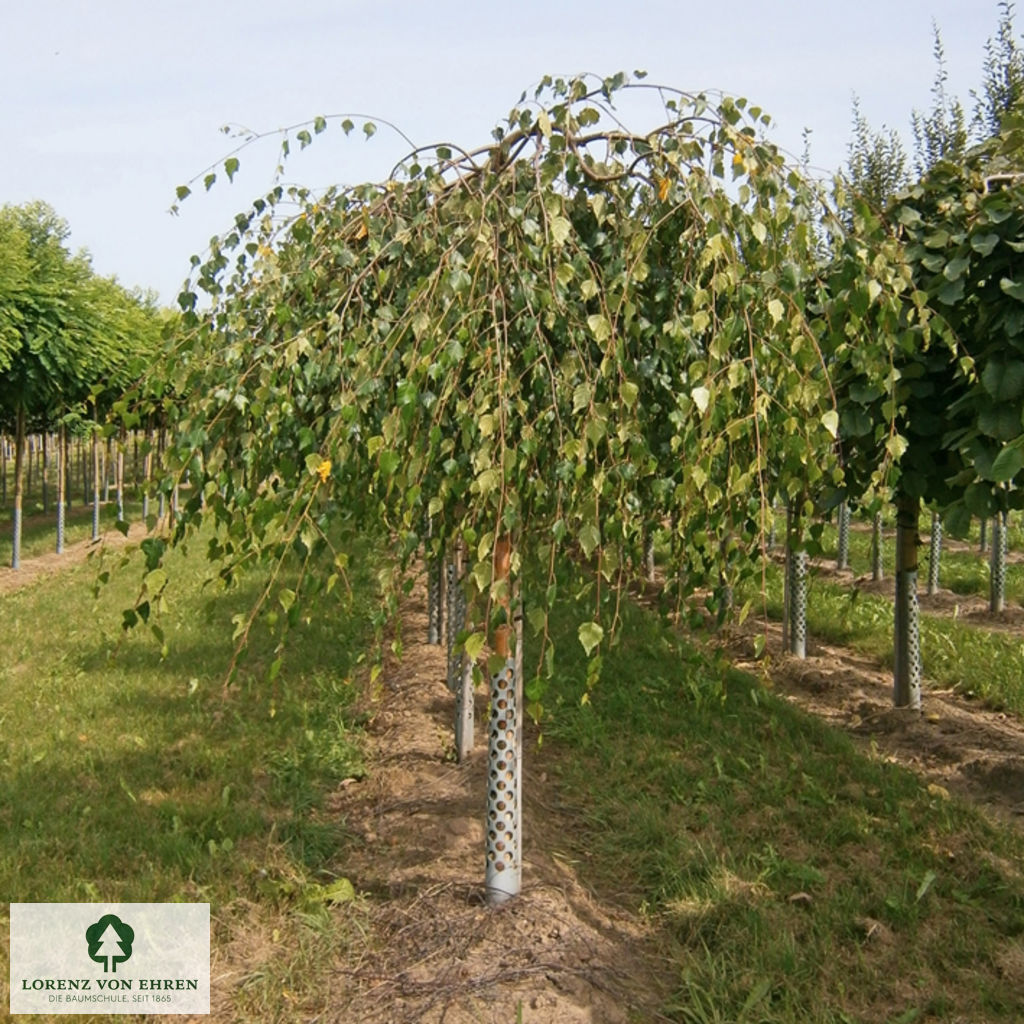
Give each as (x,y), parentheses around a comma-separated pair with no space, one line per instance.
(800,878)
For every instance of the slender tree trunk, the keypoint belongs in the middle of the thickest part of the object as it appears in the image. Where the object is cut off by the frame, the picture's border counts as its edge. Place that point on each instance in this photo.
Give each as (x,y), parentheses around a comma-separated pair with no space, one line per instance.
(62,483)
(95,483)
(997,565)
(843,553)
(435,570)
(30,445)
(934,554)
(108,462)
(649,554)
(983,535)
(503,874)
(19,465)
(877,544)
(464,709)
(44,482)
(3,468)
(147,471)
(787,583)
(119,474)
(907,660)
(771,525)
(797,577)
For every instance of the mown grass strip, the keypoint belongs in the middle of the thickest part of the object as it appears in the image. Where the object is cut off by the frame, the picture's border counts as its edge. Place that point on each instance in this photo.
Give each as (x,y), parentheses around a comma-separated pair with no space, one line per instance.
(129,776)
(795,878)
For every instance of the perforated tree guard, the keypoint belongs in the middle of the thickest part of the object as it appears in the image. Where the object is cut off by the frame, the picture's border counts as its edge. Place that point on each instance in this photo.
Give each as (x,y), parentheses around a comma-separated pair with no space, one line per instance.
(798,626)
(434,624)
(452,622)
(934,554)
(877,545)
(16,539)
(997,565)
(503,871)
(843,553)
(906,613)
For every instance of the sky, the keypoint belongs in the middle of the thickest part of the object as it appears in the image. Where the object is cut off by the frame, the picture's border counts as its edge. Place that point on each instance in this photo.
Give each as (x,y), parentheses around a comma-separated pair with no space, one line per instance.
(108,105)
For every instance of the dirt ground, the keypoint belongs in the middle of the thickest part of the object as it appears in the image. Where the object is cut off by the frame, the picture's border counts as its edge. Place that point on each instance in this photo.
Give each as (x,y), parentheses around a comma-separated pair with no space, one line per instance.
(560,954)
(954,742)
(555,954)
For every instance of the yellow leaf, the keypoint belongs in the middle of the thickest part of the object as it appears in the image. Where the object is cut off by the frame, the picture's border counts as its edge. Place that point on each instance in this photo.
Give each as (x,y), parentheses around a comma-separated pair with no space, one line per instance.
(663,186)
(940,791)
(324,470)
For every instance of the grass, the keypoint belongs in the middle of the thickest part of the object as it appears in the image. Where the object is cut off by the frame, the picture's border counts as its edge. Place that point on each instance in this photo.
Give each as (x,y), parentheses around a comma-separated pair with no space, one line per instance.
(962,571)
(795,877)
(128,776)
(970,659)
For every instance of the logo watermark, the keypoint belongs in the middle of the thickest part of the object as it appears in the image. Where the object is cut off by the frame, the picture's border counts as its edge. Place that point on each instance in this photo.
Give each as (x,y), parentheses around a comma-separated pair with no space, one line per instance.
(110,958)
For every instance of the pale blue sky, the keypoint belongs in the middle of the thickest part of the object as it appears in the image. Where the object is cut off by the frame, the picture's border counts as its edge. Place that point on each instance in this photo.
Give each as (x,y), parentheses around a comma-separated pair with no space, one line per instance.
(109,104)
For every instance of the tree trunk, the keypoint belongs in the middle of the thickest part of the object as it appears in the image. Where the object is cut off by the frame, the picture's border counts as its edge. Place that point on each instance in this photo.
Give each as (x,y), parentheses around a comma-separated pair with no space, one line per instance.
(62,483)
(435,570)
(464,709)
(934,554)
(983,535)
(43,479)
(119,475)
(877,542)
(907,660)
(843,553)
(997,565)
(649,554)
(147,471)
(19,464)
(503,874)
(796,566)
(95,483)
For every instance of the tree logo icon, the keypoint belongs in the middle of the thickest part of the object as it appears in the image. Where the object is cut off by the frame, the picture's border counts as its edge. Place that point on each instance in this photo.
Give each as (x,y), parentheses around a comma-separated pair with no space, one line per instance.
(110,942)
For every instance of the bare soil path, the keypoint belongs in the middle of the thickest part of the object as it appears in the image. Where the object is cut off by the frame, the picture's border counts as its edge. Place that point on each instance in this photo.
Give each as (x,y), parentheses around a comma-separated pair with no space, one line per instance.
(436,953)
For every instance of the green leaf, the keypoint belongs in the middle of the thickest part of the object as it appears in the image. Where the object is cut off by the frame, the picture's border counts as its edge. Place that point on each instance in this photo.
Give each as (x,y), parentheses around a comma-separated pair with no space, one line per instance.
(984,244)
(599,327)
(369,129)
(776,310)
(590,634)
(1004,381)
(183,192)
(1008,463)
(589,538)
(830,421)
(1015,289)
(701,398)
(231,167)
(474,645)
(560,229)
